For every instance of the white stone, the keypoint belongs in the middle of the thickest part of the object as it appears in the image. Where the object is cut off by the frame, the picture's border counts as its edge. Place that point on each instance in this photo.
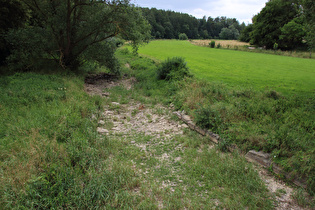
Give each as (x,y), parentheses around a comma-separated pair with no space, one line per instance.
(102,130)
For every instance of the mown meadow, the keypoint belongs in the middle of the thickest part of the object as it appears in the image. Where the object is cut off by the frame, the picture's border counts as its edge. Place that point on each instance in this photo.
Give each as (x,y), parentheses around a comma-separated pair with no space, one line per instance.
(287,75)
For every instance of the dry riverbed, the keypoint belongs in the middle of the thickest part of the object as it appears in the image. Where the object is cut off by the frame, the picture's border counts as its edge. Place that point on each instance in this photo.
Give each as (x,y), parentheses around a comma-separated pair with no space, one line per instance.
(161,146)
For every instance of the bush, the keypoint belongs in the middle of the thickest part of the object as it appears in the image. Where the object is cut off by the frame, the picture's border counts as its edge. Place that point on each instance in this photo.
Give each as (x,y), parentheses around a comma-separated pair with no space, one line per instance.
(183,36)
(208,118)
(212,44)
(173,69)
(219,45)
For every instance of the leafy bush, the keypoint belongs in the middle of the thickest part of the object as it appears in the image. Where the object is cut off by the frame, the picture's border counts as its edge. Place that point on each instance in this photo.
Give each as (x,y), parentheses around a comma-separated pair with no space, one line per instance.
(173,69)
(183,36)
(208,118)
(212,44)
(219,45)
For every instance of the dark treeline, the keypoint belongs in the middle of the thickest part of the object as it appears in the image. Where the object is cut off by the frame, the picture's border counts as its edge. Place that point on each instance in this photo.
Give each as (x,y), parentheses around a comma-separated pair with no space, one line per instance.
(170,24)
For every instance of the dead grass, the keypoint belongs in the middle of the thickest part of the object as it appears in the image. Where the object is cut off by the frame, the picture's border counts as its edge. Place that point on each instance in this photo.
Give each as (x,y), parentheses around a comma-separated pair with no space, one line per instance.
(223,43)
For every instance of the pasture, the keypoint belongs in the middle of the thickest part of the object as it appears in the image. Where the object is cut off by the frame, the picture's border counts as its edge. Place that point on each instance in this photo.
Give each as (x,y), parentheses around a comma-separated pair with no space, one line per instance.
(287,75)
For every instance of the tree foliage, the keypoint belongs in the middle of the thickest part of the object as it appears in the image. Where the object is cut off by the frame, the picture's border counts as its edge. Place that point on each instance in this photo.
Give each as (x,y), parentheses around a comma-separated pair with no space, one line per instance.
(230,33)
(268,23)
(66,30)
(169,24)
(12,16)
(308,7)
(285,22)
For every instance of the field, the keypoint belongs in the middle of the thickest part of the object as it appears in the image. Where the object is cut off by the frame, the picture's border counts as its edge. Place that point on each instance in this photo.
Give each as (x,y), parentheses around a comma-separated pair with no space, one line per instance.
(223,43)
(287,75)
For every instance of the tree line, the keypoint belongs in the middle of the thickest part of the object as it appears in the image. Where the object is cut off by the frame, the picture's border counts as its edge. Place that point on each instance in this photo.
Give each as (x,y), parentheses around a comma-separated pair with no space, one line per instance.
(170,24)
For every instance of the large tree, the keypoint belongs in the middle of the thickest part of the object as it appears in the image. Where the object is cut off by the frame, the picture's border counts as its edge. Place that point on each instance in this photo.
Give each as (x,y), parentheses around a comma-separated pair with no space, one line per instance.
(268,23)
(65,30)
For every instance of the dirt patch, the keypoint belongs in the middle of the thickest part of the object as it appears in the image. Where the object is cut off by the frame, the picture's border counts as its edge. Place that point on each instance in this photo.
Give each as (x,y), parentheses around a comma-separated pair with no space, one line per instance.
(97,83)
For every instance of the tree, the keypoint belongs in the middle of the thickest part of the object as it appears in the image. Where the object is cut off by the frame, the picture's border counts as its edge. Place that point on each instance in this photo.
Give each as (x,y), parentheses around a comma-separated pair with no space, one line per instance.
(308,8)
(268,23)
(12,16)
(292,34)
(230,33)
(182,36)
(65,30)
(245,33)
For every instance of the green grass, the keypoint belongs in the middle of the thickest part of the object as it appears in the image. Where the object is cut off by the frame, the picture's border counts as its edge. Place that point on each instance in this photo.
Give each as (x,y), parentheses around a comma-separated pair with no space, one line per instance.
(49,147)
(52,157)
(287,75)
(267,120)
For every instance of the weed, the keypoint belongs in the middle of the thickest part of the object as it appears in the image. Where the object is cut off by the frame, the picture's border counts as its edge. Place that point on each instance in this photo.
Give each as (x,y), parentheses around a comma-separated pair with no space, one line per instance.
(212,44)
(134,112)
(206,117)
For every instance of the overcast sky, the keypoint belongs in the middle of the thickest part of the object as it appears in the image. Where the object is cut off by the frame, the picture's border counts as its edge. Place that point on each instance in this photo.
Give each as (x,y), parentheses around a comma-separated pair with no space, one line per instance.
(242,10)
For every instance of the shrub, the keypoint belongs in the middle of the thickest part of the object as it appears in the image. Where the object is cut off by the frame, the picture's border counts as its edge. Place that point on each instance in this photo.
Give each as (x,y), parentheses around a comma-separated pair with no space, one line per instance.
(208,118)
(212,44)
(183,36)
(173,69)
(219,45)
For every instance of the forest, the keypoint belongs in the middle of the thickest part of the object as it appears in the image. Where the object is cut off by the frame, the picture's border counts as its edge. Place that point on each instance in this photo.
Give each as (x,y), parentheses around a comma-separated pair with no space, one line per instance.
(286,25)
(169,24)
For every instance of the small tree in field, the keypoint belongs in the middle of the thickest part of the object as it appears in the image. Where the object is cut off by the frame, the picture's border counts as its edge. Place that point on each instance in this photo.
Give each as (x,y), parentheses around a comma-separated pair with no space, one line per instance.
(183,36)
(212,44)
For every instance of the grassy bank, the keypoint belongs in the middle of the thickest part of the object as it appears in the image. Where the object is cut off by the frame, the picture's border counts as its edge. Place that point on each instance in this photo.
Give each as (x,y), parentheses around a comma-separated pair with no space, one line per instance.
(52,157)
(282,125)
(287,75)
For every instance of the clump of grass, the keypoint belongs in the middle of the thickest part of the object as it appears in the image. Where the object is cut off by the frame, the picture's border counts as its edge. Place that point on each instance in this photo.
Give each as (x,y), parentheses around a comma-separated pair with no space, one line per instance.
(173,69)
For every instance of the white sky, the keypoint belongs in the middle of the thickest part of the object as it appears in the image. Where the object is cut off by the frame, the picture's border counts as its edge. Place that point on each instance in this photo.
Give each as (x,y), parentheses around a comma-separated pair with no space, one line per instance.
(242,10)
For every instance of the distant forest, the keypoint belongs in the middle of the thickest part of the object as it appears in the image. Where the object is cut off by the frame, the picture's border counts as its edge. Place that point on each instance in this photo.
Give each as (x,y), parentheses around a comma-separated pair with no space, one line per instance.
(281,24)
(170,24)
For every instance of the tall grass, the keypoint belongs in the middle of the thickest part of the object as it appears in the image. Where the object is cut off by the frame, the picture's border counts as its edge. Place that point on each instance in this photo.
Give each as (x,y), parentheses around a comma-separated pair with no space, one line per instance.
(51,155)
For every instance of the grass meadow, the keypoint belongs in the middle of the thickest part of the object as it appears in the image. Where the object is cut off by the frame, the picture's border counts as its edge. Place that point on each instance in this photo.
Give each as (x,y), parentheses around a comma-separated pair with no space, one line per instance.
(287,75)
